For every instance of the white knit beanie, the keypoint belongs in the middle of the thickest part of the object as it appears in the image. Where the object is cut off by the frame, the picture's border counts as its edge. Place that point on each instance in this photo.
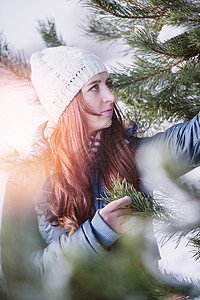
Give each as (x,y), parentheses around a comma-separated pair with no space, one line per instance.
(59,73)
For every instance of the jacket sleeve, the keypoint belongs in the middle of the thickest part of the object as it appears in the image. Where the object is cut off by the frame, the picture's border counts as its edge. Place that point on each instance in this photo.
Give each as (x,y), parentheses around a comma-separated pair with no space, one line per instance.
(181,141)
(87,239)
(59,253)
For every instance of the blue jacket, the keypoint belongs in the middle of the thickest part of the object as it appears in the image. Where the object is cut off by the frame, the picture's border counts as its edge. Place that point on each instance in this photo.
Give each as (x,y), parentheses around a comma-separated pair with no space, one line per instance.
(182,141)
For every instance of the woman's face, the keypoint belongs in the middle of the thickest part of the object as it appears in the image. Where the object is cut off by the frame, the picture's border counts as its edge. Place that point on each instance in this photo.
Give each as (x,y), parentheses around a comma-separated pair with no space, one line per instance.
(100,100)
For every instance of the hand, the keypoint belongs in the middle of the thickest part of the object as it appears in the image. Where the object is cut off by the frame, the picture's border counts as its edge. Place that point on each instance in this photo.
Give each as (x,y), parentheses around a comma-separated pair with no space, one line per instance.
(117,215)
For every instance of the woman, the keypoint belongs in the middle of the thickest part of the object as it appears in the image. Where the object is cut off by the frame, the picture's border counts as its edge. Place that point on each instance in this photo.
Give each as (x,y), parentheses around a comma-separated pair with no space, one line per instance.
(85,143)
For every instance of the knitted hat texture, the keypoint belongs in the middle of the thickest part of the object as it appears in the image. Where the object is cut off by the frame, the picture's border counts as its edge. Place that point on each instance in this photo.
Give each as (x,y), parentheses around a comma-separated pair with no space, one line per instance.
(59,73)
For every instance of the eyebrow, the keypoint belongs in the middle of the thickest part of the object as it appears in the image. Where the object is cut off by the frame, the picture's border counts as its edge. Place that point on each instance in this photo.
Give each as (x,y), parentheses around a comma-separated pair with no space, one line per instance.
(97,81)
(93,82)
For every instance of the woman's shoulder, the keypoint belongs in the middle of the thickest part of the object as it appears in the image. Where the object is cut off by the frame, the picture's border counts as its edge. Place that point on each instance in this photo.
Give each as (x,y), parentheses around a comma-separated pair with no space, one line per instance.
(131,133)
(131,129)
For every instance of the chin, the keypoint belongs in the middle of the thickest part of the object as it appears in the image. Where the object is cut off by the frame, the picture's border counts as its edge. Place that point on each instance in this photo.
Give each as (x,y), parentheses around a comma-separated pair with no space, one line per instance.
(104,125)
(107,124)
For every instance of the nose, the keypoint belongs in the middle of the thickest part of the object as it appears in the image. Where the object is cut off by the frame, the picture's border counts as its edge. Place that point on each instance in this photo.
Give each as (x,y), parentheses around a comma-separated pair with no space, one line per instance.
(108,96)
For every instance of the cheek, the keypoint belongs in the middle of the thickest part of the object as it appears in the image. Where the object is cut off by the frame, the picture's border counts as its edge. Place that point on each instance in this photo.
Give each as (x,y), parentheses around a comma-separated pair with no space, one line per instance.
(98,122)
(94,107)
(93,103)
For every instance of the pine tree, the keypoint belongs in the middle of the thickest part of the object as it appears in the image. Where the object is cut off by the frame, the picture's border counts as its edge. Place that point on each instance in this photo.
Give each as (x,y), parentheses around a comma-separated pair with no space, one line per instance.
(163,78)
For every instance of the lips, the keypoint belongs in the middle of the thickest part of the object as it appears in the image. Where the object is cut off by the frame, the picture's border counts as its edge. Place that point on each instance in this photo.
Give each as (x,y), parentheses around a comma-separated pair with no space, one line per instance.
(107,111)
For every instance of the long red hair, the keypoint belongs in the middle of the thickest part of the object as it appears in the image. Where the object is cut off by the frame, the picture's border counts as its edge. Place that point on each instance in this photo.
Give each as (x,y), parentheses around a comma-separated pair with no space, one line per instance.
(74,163)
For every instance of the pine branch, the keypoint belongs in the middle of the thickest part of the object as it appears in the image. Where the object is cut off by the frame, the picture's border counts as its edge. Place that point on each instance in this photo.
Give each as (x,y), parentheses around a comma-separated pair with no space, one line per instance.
(47,29)
(118,10)
(186,14)
(175,51)
(129,82)
(123,274)
(148,8)
(142,205)
(168,94)
(99,28)
(186,44)
(195,242)
(150,47)
(12,62)
(147,42)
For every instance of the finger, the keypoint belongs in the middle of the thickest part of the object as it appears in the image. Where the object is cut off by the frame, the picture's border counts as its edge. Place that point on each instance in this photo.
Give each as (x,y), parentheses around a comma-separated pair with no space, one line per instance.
(122,211)
(120,203)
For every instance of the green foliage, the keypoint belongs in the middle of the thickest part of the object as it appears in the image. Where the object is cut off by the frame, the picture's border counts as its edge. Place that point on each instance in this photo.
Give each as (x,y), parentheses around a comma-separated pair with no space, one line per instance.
(163,76)
(129,271)
(142,205)
(47,29)
(146,207)
(14,63)
(123,274)
(192,231)
(195,241)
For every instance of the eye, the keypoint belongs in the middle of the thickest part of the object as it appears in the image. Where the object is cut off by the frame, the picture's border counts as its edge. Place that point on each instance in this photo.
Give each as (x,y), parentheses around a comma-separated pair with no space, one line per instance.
(94,87)
(109,84)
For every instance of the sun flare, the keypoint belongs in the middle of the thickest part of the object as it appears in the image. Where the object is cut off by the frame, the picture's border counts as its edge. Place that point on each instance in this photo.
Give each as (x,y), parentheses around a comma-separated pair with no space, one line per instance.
(20,115)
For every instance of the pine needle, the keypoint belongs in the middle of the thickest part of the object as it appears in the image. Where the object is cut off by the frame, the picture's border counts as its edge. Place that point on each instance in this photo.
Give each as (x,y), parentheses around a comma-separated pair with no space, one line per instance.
(142,205)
